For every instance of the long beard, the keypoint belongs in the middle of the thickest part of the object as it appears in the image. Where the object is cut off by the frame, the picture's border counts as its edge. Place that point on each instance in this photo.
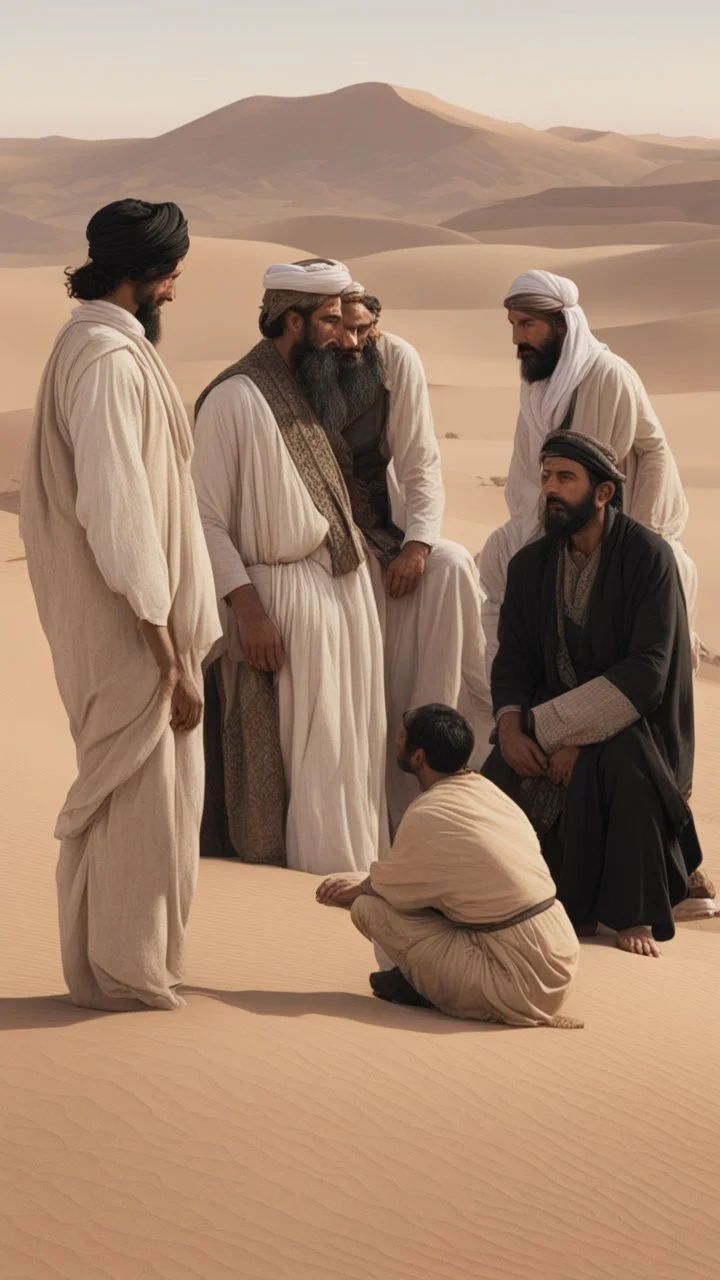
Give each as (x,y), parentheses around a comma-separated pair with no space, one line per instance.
(361,379)
(318,373)
(537,364)
(149,316)
(570,519)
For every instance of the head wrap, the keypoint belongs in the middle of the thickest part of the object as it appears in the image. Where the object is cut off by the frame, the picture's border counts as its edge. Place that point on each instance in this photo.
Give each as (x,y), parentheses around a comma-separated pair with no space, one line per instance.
(354,292)
(544,405)
(594,455)
(305,285)
(134,236)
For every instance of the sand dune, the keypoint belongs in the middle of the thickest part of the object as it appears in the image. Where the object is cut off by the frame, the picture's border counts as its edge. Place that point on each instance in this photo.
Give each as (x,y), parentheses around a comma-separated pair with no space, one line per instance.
(672,355)
(694,170)
(622,234)
(657,150)
(342,236)
(586,206)
(672,280)
(474,276)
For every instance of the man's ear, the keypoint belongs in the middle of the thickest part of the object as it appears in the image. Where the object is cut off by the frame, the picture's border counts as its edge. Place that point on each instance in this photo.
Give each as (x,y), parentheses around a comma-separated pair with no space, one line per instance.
(294,323)
(605,492)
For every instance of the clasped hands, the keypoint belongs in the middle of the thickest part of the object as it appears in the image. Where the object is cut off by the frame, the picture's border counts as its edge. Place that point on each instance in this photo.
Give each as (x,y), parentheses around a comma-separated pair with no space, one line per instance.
(527,759)
(340,891)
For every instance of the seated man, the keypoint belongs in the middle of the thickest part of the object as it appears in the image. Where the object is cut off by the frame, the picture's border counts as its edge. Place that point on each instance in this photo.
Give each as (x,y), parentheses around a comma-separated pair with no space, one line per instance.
(593,693)
(427,589)
(464,905)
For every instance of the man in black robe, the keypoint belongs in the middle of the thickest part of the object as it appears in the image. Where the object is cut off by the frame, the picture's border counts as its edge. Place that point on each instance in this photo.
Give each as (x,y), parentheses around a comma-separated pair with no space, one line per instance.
(592,691)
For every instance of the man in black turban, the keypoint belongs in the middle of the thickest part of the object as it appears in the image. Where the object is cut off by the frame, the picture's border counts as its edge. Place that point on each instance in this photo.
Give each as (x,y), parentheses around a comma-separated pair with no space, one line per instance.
(593,696)
(135,254)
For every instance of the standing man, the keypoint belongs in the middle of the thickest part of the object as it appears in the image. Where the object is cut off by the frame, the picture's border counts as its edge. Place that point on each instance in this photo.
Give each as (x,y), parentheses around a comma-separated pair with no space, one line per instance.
(426,588)
(123,586)
(299,708)
(571,381)
(593,693)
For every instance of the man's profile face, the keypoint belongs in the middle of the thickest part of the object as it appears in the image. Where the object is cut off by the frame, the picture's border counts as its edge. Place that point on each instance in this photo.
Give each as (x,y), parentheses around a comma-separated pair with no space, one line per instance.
(324,327)
(150,297)
(570,498)
(538,342)
(358,324)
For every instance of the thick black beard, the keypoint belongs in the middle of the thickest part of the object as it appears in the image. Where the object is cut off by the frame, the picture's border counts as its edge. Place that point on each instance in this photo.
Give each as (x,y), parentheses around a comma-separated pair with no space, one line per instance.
(361,379)
(403,761)
(318,373)
(570,519)
(537,364)
(149,316)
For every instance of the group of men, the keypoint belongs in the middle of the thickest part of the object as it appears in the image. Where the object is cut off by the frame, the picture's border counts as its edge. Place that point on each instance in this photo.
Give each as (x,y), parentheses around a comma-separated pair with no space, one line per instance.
(242,616)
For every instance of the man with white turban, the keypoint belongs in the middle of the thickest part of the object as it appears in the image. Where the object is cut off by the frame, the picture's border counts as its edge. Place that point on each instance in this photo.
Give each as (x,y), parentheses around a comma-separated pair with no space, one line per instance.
(427,588)
(295,733)
(571,380)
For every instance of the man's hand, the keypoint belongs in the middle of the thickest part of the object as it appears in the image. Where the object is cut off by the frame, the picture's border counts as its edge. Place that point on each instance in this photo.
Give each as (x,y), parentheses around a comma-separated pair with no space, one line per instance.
(186,702)
(518,750)
(405,571)
(340,891)
(562,765)
(259,637)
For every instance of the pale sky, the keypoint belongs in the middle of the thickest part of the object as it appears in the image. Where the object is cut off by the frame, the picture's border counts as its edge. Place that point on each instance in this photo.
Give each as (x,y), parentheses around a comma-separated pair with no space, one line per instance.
(93,68)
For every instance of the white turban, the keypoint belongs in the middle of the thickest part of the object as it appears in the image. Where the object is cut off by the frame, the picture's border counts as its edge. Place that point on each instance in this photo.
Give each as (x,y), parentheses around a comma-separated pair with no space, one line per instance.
(329,279)
(354,290)
(544,405)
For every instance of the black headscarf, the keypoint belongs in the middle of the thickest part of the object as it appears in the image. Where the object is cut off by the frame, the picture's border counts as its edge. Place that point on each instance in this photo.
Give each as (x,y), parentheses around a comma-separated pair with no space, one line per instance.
(134,236)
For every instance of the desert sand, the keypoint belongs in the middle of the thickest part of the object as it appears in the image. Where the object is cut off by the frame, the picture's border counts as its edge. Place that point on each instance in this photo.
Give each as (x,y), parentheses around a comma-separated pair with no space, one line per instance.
(286,1126)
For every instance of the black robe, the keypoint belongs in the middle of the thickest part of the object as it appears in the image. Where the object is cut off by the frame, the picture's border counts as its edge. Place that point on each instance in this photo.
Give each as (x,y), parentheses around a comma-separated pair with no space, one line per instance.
(623,849)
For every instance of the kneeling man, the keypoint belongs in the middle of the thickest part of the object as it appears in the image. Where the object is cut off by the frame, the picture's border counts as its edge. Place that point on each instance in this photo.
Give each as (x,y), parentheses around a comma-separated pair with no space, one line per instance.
(593,693)
(464,905)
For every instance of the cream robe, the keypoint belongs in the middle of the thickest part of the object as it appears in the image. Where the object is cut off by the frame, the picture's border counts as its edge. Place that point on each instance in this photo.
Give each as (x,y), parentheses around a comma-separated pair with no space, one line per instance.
(262,527)
(112,535)
(434,641)
(612,406)
(464,854)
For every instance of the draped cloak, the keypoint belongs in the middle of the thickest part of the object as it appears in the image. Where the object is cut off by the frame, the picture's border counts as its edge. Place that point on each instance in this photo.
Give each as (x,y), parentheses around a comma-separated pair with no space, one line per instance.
(626,840)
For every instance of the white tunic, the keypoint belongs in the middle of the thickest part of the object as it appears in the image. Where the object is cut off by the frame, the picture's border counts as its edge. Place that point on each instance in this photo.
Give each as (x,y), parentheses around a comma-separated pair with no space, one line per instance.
(263,528)
(612,406)
(434,642)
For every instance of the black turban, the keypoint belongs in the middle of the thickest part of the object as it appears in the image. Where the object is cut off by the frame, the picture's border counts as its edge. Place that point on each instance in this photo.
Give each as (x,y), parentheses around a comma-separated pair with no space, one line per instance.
(134,236)
(592,454)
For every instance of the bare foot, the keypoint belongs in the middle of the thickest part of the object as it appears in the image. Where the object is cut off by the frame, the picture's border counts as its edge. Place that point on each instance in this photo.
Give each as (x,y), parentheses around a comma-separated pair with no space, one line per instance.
(639,941)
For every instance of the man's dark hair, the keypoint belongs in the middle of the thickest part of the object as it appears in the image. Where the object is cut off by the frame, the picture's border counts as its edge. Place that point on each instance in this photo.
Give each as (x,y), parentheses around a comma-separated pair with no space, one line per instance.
(442,733)
(90,283)
(373,305)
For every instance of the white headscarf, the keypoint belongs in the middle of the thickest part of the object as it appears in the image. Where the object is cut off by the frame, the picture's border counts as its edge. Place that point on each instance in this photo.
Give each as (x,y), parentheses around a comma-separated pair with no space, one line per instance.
(544,405)
(326,278)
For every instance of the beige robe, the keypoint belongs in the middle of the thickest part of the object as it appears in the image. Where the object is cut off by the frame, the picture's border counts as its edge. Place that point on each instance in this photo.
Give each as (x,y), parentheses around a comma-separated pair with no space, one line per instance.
(612,406)
(433,639)
(466,855)
(263,528)
(113,536)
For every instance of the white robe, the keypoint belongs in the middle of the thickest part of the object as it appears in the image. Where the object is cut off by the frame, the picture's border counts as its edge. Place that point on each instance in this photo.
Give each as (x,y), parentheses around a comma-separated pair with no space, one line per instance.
(112,534)
(612,406)
(262,528)
(434,643)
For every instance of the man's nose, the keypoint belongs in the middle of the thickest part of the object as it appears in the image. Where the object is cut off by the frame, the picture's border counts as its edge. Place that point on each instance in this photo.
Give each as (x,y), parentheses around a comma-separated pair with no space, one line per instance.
(349,339)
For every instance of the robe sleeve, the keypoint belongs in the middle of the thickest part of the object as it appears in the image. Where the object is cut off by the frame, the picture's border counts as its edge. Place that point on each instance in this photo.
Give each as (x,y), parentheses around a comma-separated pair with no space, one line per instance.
(654,588)
(628,423)
(413,444)
(411,877)
(215,472)
(515,675)
(593,712)
(114,503)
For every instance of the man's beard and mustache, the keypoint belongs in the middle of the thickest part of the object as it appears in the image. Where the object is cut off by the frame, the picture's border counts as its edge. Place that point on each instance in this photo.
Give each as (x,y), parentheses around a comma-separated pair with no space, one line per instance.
(335,385)
(564,519)
(403,761)
(361,378)
(148,313)
(537,364)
